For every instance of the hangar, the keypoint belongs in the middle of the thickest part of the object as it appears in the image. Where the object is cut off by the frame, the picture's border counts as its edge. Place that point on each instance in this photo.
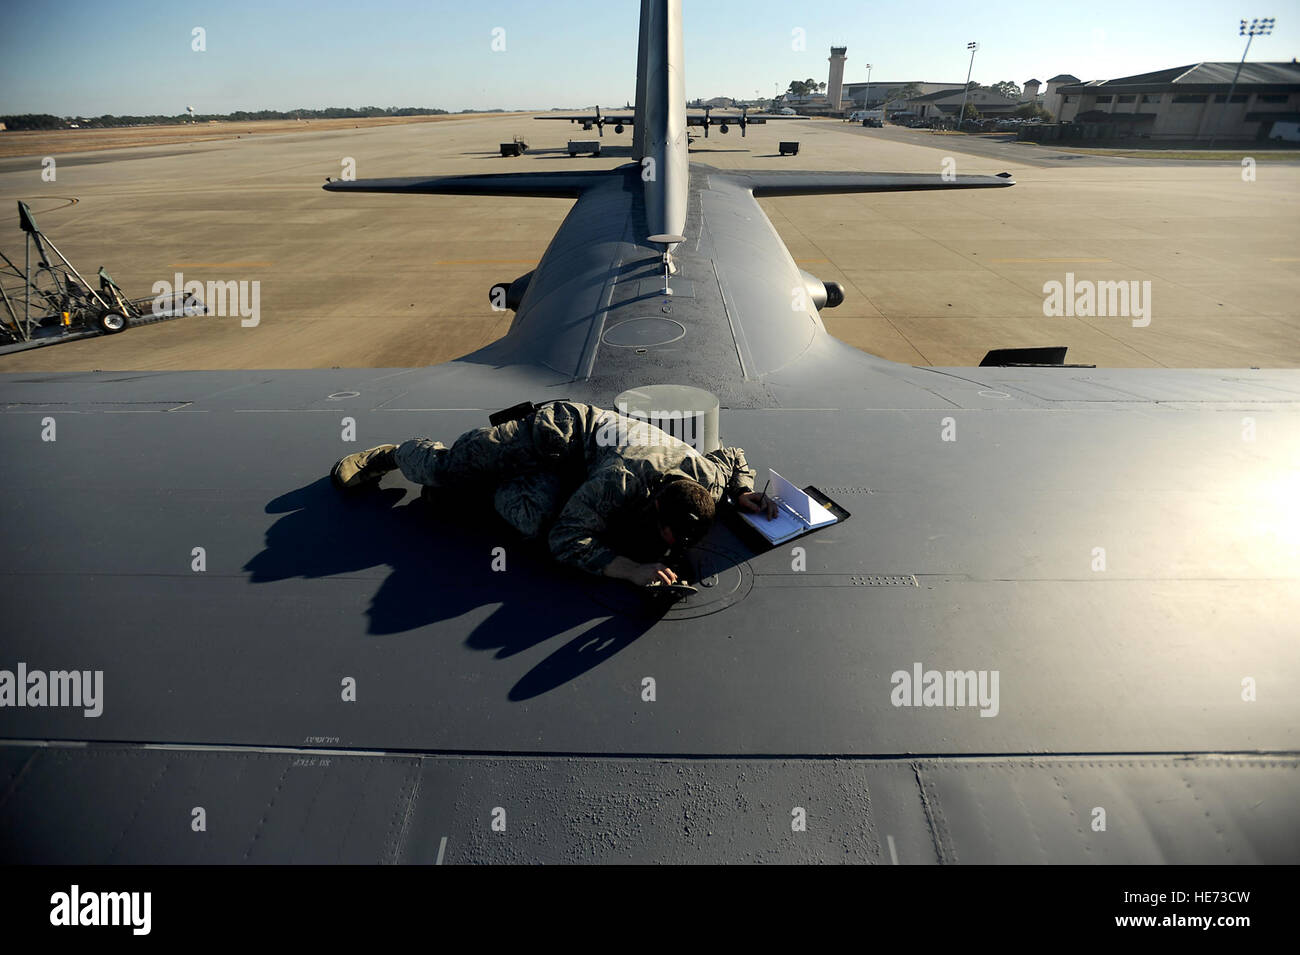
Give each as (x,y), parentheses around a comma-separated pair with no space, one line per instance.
(1187,102)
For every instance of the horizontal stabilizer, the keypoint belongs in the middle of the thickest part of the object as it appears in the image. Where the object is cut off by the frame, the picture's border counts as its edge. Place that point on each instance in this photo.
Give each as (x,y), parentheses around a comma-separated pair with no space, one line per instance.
(794,183)
(543,184)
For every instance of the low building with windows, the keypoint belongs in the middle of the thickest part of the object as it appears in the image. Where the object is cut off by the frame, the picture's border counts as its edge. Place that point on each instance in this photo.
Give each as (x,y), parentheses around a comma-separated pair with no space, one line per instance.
(1186,102)
(877,93)
(1052,94)
(946,104)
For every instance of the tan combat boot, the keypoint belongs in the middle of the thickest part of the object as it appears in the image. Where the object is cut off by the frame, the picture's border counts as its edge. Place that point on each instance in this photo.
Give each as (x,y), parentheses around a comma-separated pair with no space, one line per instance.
(364,467)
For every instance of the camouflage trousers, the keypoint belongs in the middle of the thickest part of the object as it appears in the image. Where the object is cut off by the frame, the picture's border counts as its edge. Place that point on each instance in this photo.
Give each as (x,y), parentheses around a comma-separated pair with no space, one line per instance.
(531,462)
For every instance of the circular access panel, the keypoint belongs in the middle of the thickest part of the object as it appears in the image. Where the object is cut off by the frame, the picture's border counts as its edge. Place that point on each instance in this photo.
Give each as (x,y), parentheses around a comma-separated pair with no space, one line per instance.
(724,579)
(642,332)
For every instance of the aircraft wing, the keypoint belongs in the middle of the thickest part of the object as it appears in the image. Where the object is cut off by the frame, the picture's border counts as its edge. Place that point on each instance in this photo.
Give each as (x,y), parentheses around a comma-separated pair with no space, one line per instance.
(716,119)
(350,680)
(624,119)
(692,118)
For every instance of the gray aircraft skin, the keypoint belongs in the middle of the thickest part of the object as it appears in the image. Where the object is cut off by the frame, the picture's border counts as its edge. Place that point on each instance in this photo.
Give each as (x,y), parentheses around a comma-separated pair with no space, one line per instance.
(294,675)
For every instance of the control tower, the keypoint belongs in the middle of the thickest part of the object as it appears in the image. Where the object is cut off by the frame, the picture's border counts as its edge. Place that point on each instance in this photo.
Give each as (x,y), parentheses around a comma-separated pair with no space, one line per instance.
(835,83)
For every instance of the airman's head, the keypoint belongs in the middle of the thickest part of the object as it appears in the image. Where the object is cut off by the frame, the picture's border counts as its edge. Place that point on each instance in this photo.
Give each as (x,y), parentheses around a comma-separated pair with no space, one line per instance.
(685,512)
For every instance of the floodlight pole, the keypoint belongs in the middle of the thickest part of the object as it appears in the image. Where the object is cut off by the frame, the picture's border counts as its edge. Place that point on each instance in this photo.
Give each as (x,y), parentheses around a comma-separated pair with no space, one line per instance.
(1258,27)
(866,102)
(966,90)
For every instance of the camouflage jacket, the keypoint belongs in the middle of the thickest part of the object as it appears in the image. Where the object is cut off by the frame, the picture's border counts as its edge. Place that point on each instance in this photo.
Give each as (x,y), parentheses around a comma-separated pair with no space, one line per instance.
(625,462)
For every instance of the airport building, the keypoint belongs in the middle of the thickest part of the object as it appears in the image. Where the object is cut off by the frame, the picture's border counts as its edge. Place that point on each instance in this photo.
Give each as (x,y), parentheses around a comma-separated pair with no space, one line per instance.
(946,104)
(1185,102)
(1052,95)
(877,93)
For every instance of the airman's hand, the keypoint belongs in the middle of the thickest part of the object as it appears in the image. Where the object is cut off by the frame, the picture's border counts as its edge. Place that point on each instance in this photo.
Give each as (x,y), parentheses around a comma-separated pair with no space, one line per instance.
(640,574)
(646,574)
(755,503)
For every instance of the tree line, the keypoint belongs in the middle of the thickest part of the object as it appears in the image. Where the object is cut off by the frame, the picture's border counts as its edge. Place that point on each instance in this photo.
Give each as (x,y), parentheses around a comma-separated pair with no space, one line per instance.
(46,121)
(810,87)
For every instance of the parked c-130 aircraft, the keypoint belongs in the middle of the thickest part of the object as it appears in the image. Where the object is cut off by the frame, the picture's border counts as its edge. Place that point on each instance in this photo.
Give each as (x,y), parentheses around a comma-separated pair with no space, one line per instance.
(1058,625)
(703,119)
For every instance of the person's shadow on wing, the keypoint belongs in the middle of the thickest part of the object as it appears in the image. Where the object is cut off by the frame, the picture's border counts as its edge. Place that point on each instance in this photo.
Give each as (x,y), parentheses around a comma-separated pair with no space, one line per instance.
(446,566)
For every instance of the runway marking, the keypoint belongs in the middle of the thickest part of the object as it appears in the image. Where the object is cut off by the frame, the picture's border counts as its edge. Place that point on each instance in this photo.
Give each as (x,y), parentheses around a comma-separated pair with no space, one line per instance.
(442,847)
(1050,260)
(893,853)
(67,201)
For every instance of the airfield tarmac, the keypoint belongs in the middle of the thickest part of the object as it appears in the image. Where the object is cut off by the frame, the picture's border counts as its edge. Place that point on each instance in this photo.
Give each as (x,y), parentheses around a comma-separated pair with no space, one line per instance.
(931,279)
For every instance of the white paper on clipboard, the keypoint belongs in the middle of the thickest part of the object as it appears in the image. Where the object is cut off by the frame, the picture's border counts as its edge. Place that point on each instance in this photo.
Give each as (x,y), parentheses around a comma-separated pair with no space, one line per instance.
(812,513)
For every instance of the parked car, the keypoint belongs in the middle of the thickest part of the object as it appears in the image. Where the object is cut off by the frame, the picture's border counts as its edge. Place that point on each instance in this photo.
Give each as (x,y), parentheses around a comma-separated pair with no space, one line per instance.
(868,117)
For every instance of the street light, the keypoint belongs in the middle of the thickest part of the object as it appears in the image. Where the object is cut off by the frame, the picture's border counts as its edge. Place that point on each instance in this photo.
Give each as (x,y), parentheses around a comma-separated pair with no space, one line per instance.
(867,101)
(962,114)
(1258,27)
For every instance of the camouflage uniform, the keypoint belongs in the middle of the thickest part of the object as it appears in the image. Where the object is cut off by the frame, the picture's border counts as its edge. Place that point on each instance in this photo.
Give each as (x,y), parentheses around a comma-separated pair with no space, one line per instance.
(579,475)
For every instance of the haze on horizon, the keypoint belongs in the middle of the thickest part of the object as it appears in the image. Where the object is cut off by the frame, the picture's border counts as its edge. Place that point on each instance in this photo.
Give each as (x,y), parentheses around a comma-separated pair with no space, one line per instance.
(136,58)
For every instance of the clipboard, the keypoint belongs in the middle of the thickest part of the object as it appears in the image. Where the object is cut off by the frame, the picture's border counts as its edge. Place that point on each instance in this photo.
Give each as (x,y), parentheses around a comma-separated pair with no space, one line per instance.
(806,510)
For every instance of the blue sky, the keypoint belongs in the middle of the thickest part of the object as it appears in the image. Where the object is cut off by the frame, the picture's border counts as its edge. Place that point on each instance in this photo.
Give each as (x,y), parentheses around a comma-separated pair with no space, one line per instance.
(282,55)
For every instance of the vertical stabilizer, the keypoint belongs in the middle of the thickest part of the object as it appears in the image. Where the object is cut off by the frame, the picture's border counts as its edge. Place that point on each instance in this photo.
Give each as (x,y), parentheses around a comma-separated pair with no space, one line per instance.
(665,163)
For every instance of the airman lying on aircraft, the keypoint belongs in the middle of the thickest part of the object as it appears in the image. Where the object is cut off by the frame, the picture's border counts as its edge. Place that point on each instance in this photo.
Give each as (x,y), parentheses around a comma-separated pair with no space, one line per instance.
(610,495)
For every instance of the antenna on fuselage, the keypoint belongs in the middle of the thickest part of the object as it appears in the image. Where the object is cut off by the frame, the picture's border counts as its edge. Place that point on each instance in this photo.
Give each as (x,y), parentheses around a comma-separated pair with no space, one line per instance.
(667,241)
